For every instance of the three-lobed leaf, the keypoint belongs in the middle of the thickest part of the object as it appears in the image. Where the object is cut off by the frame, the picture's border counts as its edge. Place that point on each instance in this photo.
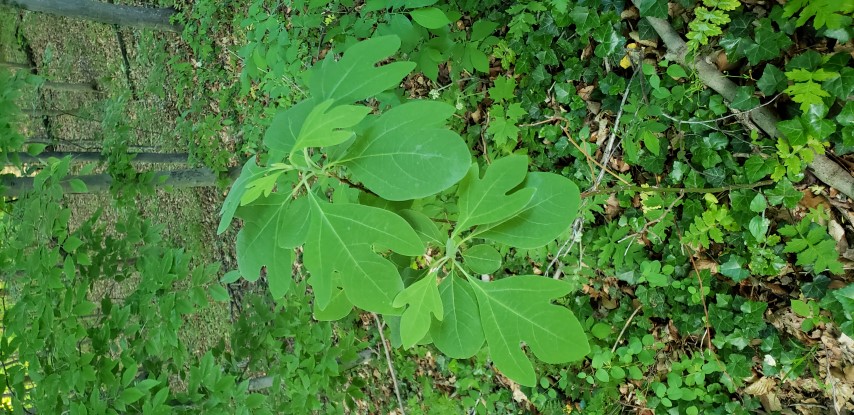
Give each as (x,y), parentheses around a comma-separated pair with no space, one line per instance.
(518,309)
(489,199)
(421,300)
(341,252)
(355,77)
(327,126)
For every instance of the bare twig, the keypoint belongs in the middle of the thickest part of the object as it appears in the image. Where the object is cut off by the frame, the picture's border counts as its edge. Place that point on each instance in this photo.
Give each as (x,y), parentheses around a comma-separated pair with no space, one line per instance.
(390,365)
(824,168)
(625,326)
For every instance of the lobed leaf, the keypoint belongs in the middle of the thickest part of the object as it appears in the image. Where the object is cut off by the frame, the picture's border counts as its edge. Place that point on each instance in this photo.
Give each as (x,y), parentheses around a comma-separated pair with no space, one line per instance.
(340,251)
(422,299)
(487,200)
(354,77)
(250,172)
(549,213)
(517,309)
(327,126)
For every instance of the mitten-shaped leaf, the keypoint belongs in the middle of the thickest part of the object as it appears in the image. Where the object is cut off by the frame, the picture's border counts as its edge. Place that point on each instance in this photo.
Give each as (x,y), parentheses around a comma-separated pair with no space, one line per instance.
(422,299)
(518,309)
(486,200)
(355,77)
(548,214)
(341,244)
(327,126)
(460,334)
(408,153)
(282,134)
(272,227)
(250,172)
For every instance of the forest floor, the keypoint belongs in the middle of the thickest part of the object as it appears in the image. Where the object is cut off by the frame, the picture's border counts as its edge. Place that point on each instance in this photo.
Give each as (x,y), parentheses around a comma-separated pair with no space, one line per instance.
(118,61)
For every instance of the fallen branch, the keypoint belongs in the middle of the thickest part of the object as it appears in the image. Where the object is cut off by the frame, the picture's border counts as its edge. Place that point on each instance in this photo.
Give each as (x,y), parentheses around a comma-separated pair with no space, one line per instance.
(822,167)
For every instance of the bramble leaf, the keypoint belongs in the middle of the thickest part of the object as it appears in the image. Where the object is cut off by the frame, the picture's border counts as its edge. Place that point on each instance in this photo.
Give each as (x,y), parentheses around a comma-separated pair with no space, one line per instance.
(460,334)
(408,153)
(342,243)
(422,299)
(354,77)
(518,309)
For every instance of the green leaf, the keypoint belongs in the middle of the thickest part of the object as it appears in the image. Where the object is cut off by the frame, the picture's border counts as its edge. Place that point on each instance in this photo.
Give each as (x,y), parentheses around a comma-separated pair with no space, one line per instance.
(325,126)
(424,227)
(801,308)
(488,199)
(339,306)
(758,204)
(772,81)
(459,334)
(676,72)
(784,193)
(518,309)
(502,89)
(601,331)
(482,259)
(250,172)
(355,77)
(408,153)
(219,293)
(430,17)
(340,251)
(585,19)
(845,296)
(285,128)
(653,8)
(480,29)
(550,212)
(35,149)
(131,395)
(744,99)
(77,185)
(422,299)
(756,168)
(733,268)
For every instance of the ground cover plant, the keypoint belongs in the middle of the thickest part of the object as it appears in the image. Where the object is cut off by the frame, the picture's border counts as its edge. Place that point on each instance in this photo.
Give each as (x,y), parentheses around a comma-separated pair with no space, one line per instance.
(525,207)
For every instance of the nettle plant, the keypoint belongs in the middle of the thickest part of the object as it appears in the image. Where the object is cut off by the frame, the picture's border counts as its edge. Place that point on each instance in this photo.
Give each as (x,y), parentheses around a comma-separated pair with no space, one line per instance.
(394,218)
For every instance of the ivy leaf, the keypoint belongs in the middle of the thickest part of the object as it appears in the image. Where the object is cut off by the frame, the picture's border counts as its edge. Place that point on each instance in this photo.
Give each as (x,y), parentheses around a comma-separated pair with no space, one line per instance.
(430,17)
(422,299)
(842,86)
(355,77)
(756,168)
(486,200)
(408,153)
(733,268)
(548,214)
(325,126)
(772,81)
(250,172)
(482,259)
(744,99)
(459,334)
(767,45)
(585,20)
(517,309)
(653,8)
(784,193)
(342,243)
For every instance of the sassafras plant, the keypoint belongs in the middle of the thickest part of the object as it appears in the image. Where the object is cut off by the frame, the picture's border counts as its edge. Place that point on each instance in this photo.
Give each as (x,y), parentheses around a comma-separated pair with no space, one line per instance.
(361,191)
